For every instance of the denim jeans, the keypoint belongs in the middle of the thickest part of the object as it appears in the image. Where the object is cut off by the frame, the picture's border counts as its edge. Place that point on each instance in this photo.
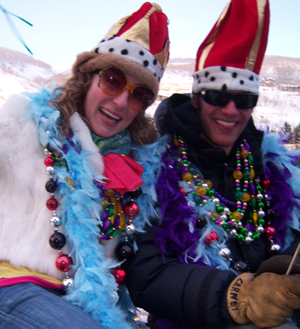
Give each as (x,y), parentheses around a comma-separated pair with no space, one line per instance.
(29,306)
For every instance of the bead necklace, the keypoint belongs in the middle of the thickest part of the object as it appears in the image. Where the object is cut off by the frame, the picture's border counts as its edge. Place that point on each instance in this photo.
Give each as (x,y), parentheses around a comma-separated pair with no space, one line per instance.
(246,194)
(112,223)
(116,218)
(57,240)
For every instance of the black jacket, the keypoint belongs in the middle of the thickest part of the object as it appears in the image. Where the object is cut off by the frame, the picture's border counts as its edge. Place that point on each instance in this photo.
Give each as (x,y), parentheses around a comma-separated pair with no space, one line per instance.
(191,294)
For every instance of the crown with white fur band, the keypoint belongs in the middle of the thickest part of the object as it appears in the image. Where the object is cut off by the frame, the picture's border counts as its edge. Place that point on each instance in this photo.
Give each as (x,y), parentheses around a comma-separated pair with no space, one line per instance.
(231,56)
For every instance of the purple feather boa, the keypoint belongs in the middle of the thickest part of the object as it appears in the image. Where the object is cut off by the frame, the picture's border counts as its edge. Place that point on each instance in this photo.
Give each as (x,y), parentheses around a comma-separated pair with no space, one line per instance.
(282,199)
(176,213)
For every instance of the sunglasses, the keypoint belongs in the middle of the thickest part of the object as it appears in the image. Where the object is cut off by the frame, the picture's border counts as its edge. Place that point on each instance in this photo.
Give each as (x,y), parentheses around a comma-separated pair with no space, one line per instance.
(113,82)
(242,101)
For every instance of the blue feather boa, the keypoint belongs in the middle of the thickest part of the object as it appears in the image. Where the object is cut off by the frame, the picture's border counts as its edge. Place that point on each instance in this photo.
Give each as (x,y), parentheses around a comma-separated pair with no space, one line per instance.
(80,209)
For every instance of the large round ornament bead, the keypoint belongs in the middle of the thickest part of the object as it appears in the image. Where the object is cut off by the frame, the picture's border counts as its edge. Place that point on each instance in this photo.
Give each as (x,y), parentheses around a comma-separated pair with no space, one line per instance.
(275,249)
(49,161)
(120,276)
(50,170)
(225,252)
(213,236)
(131,209)
(51,186)
(67,282)
(57,240)
(123,250)
(201,222)
(130,229)
(240,266)
(52,203)
(55,221)
(63,262)
(270,232)
(260,229)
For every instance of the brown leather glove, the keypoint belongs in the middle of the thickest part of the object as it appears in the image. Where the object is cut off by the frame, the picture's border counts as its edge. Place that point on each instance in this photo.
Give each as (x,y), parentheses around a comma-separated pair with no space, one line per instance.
(279,265)
(266,300)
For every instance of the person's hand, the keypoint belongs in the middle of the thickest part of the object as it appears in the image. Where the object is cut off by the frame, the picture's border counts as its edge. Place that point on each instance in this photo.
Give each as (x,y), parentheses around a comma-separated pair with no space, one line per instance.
(279,265)
(266,300)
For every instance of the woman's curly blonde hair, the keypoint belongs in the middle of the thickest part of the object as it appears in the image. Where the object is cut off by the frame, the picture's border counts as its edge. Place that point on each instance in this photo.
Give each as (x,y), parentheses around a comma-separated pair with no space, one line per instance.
(71,99)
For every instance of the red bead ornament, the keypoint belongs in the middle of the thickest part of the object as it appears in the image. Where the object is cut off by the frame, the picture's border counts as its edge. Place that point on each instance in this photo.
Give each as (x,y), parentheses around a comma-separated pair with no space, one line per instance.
(120,276)
(52,203)
(266,184)
(270,232)
(49,162)
(63,262)
(131,209)
(210,238)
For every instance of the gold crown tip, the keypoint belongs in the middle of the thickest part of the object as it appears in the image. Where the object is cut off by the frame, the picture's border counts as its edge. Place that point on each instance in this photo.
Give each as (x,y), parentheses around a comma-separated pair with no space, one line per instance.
(157,7)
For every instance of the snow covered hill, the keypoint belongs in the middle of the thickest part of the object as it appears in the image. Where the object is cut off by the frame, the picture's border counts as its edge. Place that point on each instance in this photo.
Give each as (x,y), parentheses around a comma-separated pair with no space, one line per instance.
(279,100)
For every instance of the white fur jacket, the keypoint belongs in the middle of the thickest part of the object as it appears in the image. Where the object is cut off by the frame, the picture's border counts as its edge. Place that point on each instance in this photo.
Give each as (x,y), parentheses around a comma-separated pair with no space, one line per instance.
(24,218)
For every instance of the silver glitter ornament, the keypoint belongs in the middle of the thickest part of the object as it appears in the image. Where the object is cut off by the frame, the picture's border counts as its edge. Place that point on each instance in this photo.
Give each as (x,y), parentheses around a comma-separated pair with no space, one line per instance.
(260,230)
(225,252)
(50,170)
(130,229)
(275,248)
(68,282)
(55,221)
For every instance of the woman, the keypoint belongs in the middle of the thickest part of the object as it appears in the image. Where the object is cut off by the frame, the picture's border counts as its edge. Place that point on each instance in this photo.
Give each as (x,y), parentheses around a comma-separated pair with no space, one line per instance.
(68,157)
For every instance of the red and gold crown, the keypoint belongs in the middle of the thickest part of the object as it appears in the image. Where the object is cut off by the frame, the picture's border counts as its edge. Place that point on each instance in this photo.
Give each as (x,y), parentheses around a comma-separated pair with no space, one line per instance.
(138,40)
(231,56)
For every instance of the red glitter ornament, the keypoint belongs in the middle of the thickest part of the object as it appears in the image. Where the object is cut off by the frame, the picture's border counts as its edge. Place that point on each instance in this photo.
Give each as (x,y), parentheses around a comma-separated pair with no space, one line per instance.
(120,276)
(131,209)
(266,184)
(49,162)
(210,238)
(270,232)
(52,203)
(63,262)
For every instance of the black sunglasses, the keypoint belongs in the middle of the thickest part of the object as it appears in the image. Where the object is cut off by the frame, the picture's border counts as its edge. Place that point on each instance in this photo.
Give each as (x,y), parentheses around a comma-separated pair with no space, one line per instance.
(242,101)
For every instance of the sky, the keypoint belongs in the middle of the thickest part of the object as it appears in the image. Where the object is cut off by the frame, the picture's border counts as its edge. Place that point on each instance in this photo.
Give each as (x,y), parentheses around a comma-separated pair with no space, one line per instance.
(64,28)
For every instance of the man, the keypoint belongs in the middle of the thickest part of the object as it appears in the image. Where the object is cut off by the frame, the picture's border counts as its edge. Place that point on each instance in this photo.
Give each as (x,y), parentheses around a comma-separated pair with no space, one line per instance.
(228,196)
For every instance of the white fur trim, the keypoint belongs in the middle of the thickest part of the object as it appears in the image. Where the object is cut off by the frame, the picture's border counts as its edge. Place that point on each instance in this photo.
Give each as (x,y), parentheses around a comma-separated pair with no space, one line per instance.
(131,51)
(216,77)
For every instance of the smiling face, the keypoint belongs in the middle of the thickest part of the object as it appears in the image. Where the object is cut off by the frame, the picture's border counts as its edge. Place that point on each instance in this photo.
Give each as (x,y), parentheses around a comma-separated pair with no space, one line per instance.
(222,126)
(108,115)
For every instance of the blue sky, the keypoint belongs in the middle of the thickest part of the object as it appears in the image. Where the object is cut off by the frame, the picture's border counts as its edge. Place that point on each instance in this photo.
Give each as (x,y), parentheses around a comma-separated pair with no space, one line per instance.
(64,28)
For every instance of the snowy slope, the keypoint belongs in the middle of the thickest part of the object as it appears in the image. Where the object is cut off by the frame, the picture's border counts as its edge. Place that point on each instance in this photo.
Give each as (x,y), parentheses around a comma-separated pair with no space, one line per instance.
(19,72)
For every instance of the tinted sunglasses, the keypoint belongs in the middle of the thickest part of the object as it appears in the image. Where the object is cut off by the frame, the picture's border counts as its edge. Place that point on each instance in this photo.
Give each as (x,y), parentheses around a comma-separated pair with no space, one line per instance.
(242,101)
(113,82)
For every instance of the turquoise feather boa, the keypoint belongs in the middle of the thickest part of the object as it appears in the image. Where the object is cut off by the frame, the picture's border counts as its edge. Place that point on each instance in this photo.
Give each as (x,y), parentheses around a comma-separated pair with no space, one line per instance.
(79,208)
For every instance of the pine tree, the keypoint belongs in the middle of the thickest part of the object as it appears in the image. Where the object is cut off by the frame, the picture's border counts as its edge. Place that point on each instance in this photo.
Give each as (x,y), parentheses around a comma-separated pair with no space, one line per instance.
(287,131)
(297,135)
